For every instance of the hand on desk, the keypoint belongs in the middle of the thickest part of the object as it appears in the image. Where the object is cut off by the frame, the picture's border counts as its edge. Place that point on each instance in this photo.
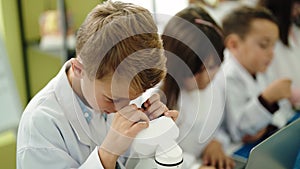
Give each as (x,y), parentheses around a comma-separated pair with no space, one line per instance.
(214,155)
(260,135)
(254,138)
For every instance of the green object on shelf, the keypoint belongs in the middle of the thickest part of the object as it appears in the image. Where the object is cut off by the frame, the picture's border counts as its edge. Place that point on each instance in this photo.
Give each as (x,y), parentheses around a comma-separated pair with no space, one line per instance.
(43,66)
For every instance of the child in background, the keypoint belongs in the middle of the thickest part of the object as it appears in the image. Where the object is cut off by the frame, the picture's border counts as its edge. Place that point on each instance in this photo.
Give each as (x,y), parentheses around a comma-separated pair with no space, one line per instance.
(287,50)
(82,118)
(193,44)
(252,108)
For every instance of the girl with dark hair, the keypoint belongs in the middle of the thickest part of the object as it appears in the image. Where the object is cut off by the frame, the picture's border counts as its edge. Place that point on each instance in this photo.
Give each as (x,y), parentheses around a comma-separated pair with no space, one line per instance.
(193,44)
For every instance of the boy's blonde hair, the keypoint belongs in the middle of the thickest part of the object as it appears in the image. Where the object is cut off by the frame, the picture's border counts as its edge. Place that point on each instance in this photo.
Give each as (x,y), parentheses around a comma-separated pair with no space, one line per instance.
(115,34)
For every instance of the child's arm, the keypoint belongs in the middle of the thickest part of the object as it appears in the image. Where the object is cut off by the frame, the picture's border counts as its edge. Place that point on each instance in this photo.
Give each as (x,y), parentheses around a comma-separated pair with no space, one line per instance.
(245,115)
(277,90)
(295,98)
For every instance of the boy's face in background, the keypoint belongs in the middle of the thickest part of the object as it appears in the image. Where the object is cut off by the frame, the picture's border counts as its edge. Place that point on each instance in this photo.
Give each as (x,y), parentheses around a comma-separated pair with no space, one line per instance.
(296,13)
(202,78)
(256,49)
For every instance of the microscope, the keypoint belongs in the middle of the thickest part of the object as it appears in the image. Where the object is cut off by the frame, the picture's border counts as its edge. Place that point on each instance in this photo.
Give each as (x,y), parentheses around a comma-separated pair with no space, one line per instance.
(156,146)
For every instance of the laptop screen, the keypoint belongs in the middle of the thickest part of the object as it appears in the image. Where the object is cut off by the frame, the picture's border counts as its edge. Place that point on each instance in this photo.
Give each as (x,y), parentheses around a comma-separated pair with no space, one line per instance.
(278,151)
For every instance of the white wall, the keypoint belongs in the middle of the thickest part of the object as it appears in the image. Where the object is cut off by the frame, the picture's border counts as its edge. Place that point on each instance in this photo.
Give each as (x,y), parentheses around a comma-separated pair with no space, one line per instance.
(163,9)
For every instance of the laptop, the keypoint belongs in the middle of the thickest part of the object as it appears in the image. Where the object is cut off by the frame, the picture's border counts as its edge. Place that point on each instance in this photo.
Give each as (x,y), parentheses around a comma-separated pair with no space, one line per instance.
(279,151)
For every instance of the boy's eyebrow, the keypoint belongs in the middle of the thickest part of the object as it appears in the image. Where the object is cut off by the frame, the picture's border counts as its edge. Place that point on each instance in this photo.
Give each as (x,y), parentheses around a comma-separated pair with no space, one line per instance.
(266,39)
(118,98)
(123,98)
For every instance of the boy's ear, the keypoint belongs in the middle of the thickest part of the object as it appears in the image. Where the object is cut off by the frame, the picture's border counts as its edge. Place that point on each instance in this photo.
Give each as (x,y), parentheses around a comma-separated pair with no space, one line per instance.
(77,67)
(232,42)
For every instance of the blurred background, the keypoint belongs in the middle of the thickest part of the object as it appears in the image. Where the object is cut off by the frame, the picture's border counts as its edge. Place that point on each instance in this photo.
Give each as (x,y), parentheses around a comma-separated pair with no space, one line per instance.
(37,37)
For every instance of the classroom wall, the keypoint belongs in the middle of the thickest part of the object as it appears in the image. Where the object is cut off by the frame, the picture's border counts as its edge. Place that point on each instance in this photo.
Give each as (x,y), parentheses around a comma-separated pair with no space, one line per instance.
(10,32)
(33,8)
(44,65)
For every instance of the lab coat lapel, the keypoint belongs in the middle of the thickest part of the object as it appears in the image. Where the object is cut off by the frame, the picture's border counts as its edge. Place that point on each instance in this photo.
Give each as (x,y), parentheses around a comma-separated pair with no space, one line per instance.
(67,98)
(252,84)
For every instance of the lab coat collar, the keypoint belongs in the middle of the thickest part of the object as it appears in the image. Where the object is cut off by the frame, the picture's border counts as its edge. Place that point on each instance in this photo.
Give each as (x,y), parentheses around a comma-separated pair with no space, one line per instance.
(67,100)
(231,61)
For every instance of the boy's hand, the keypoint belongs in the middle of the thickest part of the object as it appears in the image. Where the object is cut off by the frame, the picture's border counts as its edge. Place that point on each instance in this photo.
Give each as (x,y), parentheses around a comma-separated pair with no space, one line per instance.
(295,97)
(207,167)
(254,138)
(172,113)
(277,90)
(154,108)
(214,155)
(127,123)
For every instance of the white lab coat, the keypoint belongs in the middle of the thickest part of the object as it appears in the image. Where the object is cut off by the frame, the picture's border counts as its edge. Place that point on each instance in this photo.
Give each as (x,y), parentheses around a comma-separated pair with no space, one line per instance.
(200,115)
(53,132)
(244,113)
